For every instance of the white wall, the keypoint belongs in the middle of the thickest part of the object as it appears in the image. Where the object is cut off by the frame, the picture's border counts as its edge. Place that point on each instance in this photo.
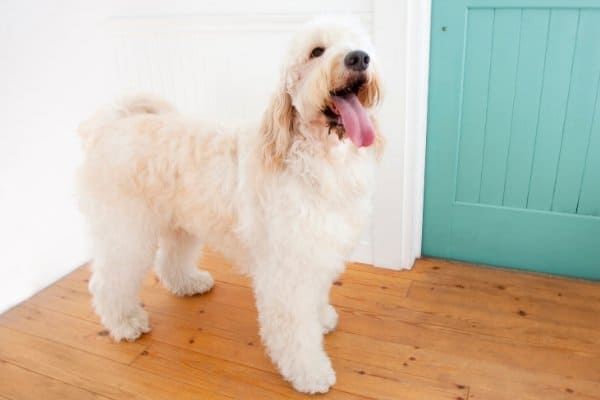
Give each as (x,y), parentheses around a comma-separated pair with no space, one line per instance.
(49,69)
(59,60)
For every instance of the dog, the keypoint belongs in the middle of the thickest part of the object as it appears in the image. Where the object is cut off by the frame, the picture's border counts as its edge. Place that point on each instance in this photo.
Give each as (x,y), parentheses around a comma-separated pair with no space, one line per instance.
(285,199)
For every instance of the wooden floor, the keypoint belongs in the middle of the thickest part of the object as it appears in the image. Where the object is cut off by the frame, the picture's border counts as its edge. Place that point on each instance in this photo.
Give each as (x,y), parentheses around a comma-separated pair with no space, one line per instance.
(441,331)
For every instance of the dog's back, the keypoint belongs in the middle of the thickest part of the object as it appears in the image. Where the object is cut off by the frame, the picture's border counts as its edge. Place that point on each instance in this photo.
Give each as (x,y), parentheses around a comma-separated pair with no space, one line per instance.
(142,157)
(118,142)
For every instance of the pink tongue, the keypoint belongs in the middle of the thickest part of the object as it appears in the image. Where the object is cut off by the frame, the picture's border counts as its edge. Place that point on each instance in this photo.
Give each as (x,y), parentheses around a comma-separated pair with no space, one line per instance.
(357,123)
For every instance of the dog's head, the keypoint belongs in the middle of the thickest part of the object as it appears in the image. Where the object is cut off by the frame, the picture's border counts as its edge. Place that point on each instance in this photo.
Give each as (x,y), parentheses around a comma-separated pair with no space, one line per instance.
(329,86)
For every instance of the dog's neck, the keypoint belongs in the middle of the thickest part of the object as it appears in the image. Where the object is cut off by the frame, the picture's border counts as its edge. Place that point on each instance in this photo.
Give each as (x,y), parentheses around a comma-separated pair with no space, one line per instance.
(317,139)
(320,158)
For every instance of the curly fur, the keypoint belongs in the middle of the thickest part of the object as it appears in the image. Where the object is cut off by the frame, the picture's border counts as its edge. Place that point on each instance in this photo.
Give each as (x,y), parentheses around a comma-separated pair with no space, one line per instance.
(285,199)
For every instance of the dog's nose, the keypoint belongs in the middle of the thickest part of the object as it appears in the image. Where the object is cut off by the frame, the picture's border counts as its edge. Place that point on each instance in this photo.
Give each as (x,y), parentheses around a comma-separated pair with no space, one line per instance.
(357,60)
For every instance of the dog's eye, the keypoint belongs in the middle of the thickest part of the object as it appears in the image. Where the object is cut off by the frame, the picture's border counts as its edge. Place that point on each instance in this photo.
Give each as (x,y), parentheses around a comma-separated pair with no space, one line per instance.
(317,52)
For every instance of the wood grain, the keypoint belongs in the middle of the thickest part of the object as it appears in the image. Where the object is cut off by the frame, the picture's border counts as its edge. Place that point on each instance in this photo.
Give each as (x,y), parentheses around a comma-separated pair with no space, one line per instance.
(443,330)
(20,383)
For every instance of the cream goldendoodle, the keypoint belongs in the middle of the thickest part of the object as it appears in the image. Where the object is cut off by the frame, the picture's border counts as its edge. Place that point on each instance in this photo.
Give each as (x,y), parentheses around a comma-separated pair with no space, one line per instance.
(286,199)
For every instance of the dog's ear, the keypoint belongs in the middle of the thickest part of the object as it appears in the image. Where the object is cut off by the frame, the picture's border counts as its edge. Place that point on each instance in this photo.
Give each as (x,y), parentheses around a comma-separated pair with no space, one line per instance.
(371,95)
(379,143)
(277,129)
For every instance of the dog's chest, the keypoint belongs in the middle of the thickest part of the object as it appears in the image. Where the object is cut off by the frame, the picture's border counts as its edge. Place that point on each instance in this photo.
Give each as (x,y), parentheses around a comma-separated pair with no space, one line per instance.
(335,199)
(344,178)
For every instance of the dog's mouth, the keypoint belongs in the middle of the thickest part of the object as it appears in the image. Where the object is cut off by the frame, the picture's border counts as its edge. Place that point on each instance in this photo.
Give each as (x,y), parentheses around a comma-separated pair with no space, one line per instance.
(346,116)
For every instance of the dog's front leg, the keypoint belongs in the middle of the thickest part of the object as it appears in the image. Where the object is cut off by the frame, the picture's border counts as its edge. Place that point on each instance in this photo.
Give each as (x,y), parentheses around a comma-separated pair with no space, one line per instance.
(289,309)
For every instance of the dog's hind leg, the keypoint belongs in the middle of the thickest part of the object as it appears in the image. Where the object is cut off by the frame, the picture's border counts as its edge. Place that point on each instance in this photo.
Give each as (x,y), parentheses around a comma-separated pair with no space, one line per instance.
(178,254)
(123,251)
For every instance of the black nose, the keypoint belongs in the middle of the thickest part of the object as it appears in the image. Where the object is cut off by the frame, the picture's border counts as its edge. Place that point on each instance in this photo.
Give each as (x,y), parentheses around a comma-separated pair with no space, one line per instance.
(357,60)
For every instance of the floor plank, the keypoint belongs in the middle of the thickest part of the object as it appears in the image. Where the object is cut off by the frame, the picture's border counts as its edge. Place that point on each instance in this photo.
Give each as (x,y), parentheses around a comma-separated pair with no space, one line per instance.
(190,366)
(444,330)
(19,383)
(91,372)
(69,331)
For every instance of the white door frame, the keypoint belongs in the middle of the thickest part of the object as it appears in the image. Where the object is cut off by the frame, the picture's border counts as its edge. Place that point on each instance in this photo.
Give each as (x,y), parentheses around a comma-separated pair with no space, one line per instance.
(401,33)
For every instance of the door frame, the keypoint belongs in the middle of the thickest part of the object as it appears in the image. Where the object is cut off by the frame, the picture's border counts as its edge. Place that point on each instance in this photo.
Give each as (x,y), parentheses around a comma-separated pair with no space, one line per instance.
(401,32)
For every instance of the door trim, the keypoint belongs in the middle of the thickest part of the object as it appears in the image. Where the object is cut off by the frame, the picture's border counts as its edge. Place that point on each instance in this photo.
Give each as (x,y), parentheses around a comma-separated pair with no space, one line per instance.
(401,32)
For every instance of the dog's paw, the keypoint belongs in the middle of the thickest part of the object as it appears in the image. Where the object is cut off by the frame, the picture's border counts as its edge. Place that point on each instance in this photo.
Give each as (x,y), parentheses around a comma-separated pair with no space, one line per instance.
(329,318)
(316,377)
(197,282)
(131,326)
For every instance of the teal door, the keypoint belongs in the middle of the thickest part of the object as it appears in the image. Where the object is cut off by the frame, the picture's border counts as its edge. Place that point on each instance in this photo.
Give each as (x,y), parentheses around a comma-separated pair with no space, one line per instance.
(513,142)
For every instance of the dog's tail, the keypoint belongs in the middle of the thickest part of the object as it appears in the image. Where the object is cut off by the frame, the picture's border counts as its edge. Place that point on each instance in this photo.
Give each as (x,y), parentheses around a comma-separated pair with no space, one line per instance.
(123,108)
(142,104)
